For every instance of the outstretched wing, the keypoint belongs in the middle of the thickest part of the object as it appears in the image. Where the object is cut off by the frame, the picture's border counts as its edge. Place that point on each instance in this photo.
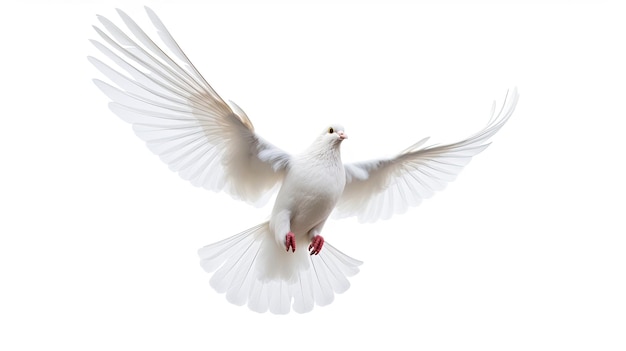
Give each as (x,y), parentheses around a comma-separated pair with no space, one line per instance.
(182,119)
(380,188)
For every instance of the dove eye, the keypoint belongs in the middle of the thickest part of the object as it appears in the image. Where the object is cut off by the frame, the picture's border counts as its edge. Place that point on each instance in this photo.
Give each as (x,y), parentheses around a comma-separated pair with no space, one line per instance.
(331,130)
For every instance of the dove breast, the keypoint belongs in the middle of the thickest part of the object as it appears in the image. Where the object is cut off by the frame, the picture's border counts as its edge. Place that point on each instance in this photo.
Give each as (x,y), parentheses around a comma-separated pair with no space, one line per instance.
(310,191)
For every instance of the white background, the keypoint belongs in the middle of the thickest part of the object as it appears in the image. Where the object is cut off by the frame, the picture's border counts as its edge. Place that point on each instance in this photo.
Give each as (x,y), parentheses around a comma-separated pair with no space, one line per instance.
(524,251)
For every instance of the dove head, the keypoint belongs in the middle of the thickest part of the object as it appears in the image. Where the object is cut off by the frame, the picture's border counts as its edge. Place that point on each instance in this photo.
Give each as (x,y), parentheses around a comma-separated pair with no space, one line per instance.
(334,134)
(329,140)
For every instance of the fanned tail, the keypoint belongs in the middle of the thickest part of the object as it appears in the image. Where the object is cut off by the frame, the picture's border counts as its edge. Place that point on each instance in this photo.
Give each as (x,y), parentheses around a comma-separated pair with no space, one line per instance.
(250,268)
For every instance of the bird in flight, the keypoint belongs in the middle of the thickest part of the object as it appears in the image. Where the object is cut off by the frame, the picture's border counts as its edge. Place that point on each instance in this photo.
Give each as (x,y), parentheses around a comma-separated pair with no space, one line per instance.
(284,263)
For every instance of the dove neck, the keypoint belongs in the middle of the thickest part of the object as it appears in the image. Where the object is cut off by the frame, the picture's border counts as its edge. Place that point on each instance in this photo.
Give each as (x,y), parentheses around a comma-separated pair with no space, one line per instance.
(323,153)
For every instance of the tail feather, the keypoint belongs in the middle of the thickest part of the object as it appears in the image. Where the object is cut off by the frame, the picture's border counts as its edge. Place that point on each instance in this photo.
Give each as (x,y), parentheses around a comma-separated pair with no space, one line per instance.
(279,297)
(303,298)
(242,280)
(337,280)
(258,299)
(322,289)
(250,268)
(214,255)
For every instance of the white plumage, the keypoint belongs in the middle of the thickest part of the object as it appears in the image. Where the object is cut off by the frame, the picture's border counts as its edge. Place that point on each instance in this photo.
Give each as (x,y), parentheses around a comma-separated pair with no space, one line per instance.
(213,144)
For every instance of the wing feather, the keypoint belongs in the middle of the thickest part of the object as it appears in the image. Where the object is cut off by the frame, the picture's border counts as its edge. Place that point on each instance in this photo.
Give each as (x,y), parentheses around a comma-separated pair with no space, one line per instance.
(181,118)
(378,189)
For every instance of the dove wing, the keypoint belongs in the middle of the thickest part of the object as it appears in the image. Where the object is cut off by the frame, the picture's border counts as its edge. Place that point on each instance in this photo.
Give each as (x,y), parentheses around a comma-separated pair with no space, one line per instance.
(378,189)
(181,118)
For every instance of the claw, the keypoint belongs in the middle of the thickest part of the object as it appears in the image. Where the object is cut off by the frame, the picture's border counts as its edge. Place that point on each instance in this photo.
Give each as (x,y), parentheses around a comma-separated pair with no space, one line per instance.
(316,245)
(290,241)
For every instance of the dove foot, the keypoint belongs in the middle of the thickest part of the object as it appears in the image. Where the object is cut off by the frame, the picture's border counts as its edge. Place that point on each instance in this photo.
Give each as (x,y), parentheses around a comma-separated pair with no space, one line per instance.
(316,245)
(290,241)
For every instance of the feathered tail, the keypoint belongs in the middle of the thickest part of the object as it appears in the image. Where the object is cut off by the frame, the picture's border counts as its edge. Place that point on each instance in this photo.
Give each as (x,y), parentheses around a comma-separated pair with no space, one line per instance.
(250,268)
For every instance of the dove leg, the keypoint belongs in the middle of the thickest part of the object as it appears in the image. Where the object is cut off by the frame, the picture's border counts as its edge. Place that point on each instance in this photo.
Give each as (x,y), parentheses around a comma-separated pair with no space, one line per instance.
(317,241)
(316,245)
(290,241)
(281,224)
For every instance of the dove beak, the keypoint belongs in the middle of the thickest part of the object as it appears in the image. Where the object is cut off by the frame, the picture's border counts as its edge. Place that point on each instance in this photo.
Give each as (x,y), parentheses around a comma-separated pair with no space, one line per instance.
(342,135)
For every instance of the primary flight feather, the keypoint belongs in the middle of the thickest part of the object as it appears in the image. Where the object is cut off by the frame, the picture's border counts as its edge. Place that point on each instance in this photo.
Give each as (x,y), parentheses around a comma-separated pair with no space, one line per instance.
(283,263)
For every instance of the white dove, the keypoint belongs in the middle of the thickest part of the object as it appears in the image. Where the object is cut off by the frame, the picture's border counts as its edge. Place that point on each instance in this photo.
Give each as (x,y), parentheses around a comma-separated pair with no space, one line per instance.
(213,145)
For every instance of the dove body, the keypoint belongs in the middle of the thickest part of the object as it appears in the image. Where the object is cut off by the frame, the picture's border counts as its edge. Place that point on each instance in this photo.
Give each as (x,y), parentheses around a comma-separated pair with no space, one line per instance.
(312,187)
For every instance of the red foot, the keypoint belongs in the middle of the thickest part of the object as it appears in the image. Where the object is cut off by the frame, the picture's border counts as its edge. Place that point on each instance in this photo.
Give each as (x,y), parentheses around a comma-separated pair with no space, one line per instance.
(316,245)
(290,241)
